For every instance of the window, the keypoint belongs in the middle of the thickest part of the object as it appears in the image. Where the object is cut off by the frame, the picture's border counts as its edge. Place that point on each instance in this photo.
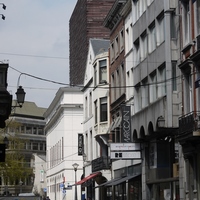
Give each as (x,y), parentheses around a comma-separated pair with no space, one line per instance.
(137,98)
(103,71)
(40,131)
(152,38)
(28,130)
(121,40)
(116,47)
(152,87)
(136,53)
(86,108)
(22,129)
(35,146)
(145,92)
(35,130)
(122,79)
(143,48)
(188,93)
(135,11)
(90,104)
(112,53)
(174,81)
(149,2)
(142,6)
(186,22)
(112,88)
(103,109)
(160,29)
(95,74)
(161,81)
(198,17)
(117,84)
(96,111)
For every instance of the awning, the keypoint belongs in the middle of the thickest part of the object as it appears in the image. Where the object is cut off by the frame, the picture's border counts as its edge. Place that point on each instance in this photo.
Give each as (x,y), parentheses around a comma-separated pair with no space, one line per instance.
(87,178)
(117,181)
(108,182)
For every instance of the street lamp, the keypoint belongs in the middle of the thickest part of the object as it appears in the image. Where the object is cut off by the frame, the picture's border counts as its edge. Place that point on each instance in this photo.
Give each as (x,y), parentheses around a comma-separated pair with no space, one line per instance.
(75,166)
(20,96)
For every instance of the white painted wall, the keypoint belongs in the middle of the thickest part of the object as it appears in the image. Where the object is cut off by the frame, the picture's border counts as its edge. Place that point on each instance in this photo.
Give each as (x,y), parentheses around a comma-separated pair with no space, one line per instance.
(66,113)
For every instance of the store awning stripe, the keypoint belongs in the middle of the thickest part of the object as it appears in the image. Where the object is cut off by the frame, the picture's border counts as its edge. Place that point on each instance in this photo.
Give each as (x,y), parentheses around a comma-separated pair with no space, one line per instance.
(87,178)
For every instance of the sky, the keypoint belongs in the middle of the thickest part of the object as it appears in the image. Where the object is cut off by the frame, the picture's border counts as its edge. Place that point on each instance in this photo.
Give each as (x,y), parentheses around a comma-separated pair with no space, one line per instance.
(34,41)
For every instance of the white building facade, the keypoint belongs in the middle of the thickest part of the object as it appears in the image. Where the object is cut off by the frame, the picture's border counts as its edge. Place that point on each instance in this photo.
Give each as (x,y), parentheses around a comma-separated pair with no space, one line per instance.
(96,118)
(64,122)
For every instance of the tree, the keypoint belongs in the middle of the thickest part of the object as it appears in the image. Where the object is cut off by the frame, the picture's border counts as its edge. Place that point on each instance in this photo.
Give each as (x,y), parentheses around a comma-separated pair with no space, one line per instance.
(15,168)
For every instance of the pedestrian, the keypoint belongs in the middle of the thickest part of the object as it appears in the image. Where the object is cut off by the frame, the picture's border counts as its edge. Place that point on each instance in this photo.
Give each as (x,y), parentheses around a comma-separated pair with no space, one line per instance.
(47,198)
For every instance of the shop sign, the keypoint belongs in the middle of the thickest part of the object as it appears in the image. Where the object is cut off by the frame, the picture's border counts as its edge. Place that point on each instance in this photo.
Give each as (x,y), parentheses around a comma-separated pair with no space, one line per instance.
(80,144)
(126,123)
(125,146)
(125,155)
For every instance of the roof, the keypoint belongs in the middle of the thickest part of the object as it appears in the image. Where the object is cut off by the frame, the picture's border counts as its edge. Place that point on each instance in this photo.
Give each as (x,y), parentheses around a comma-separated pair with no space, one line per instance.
(29,109)
(99,45)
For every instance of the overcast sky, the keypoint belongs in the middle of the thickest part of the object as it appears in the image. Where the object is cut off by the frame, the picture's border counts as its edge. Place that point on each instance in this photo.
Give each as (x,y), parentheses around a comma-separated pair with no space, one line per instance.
(34,39)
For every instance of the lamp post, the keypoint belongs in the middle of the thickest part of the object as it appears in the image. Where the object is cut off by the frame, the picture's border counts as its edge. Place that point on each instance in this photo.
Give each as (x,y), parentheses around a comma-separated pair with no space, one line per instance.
(20,183)
(75,166)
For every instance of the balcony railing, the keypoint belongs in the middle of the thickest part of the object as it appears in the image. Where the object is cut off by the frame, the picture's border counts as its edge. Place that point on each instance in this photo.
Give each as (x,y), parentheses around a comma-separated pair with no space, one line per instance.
(100,163)
(189,123)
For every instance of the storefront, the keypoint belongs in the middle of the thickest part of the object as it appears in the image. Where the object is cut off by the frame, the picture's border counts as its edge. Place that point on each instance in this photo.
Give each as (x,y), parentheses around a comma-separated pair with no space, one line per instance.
(127,187)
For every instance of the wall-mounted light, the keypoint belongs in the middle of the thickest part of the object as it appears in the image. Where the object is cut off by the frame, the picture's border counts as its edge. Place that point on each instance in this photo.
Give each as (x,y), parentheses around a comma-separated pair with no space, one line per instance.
(160,122)
(3,16)
(3,6)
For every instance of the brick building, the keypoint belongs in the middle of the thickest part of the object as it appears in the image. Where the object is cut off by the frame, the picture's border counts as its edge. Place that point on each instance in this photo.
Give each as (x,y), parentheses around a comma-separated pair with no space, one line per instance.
(86,22)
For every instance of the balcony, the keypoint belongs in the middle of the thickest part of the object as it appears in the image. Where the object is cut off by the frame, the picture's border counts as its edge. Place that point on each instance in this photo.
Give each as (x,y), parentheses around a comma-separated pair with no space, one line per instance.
(100,163)
(189,126)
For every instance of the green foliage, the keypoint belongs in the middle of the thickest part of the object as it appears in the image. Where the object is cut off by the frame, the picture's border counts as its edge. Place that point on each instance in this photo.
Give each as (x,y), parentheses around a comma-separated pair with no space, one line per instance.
(15,167)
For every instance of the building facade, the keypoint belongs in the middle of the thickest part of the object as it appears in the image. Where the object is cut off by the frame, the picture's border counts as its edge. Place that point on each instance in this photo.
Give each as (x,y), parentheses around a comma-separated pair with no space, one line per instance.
(189,129)
(25,126)
(85,23)
(96,119)
(63,124)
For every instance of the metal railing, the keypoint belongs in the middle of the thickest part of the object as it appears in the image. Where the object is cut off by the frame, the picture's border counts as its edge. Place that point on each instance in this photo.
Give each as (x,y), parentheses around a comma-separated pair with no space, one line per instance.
(189,122)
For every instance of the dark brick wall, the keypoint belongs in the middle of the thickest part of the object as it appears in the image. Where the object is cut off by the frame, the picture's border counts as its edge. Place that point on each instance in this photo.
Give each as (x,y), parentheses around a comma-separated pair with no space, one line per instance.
(85,23)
